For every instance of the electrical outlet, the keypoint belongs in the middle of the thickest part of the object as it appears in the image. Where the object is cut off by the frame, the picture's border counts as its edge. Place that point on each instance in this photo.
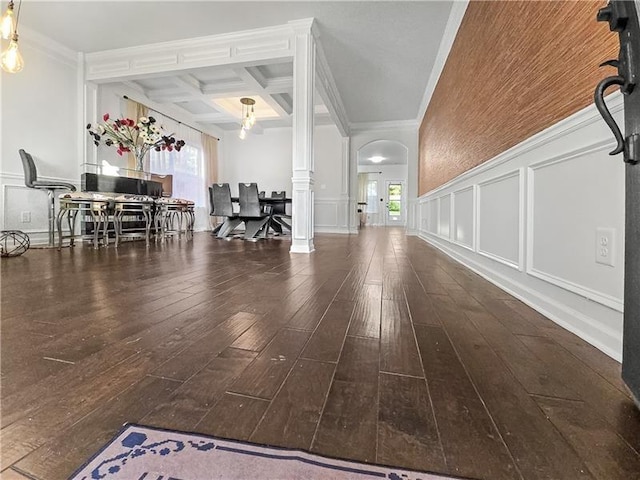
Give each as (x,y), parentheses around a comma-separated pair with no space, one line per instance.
(605,242)
(25,217)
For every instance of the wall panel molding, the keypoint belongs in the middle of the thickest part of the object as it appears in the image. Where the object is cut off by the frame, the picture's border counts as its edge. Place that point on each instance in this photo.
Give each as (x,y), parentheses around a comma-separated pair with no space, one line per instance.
(517,262)
(600,147)
(555,277)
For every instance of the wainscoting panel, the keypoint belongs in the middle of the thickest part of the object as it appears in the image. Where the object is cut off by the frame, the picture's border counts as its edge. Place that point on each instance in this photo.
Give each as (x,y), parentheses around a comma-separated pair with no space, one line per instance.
(464,218)
(535,209)
(565,211)
(331,215)
(499,219)
(326,213)
(433,216)
(17,199)
(444,216)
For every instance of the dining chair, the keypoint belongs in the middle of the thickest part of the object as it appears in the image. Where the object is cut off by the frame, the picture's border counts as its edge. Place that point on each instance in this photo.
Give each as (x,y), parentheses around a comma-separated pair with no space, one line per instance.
(221,206)
(251,212)
(279,210)
(31,181)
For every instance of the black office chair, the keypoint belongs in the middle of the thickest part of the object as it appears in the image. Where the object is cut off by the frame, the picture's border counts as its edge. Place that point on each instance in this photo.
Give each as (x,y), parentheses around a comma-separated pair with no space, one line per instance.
(31,181)
(252,213)
(279,211)
(221,206)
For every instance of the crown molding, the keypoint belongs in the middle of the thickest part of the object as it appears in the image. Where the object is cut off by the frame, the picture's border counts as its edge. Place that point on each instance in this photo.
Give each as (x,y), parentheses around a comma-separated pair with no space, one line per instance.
(48,46)
(305,25)
(458,10)
(386,125)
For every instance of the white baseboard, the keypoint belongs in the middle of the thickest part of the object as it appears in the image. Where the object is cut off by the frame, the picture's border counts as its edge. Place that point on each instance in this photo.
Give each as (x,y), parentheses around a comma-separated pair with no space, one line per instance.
(606,340)
(332,229)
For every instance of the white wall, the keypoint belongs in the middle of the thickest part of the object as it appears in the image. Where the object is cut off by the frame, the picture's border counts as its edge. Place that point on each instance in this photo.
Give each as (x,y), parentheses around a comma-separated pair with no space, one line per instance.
(40,113)
(408,136)
(264,159)
(383,174)
(267,160)
(527,219)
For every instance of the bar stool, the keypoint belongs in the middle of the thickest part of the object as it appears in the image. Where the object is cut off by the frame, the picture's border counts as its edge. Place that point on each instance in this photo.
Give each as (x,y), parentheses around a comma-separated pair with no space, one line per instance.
(136,208)
(171,212)
(31,181)
(94,209)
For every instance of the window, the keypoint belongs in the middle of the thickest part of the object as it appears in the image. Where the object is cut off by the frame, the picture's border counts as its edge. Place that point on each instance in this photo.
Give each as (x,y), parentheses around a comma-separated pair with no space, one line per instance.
(372,196)
(187,168)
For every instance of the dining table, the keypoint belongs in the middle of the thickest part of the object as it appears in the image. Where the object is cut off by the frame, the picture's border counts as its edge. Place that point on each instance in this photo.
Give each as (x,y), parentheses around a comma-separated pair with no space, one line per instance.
(275,226)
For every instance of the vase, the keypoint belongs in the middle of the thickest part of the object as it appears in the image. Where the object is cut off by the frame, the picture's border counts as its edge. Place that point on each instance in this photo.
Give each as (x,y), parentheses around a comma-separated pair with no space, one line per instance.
(140,163)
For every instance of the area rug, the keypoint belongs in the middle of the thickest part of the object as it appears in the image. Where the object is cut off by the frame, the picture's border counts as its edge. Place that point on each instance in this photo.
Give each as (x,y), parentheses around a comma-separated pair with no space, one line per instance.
(145,453)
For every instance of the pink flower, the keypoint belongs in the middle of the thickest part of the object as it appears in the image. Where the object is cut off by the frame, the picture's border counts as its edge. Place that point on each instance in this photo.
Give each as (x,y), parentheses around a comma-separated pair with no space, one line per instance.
(105,117)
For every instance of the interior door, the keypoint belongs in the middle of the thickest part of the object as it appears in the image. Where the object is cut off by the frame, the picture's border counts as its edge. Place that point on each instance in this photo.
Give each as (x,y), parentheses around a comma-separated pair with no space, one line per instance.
(624,18)
(395,203)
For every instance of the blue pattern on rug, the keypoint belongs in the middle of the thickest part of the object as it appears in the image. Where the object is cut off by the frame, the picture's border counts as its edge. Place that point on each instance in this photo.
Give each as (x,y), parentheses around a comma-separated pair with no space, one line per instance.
(134,448)
(134,442)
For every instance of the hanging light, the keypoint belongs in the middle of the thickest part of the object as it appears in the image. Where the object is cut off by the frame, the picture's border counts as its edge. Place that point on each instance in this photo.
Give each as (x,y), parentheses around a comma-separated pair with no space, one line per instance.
(7,24)
(248,115)
(11,60)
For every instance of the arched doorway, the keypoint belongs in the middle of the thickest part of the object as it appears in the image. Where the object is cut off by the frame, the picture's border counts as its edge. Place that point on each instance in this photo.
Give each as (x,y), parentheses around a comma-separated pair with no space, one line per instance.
(382,180)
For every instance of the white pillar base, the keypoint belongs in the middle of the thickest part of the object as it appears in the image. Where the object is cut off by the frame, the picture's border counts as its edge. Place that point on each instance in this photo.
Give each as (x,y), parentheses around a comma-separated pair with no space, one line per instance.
(302,246)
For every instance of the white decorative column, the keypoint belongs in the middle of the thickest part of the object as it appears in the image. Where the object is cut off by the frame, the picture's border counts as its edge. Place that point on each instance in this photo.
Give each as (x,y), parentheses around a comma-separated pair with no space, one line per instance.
(344,189)
(304,73)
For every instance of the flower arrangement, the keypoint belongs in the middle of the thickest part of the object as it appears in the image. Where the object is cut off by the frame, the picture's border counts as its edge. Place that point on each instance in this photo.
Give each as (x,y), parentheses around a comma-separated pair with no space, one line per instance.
(135,137)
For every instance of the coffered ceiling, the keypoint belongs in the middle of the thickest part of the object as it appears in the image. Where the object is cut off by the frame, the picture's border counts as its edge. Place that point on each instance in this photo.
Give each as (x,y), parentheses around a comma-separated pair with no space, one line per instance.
(211,96)
(380,53)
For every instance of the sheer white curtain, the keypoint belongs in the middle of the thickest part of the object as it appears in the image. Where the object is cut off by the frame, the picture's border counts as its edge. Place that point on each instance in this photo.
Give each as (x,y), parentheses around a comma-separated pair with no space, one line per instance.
(186,166)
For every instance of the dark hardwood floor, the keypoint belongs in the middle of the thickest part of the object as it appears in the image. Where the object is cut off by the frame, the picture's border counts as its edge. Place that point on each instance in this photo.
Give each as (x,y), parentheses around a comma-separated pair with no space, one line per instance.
(376,348)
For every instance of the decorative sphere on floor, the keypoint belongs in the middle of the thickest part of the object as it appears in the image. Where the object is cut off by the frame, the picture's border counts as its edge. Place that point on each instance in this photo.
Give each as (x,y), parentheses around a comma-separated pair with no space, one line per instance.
(13,243)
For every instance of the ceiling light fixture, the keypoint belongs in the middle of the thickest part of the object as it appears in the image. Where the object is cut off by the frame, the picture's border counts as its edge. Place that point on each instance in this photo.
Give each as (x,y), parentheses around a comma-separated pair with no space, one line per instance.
(7,23)
(11,60)
(377,158)
(248,116)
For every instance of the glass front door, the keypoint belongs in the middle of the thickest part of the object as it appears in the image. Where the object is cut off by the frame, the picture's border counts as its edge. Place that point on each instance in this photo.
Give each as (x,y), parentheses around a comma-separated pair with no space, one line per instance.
(395,203)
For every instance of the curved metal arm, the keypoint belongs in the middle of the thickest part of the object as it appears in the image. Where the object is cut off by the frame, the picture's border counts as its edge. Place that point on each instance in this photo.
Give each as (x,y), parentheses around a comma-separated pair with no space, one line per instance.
(604,111)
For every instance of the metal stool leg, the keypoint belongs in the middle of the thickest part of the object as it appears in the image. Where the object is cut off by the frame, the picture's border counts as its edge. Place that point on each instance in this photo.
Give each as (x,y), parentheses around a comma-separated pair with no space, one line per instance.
(51,216)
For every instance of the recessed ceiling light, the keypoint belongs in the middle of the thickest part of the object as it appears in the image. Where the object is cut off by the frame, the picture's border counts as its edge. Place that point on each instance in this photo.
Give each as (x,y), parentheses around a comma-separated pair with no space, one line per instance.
(377,158)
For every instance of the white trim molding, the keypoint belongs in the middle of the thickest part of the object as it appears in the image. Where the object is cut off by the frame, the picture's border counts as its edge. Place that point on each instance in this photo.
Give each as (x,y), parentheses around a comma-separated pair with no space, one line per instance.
(386,125)
(458,10)
(268,44)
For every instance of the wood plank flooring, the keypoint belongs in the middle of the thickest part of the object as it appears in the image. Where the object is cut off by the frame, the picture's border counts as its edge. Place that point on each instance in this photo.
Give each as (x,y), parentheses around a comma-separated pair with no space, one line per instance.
(376,347)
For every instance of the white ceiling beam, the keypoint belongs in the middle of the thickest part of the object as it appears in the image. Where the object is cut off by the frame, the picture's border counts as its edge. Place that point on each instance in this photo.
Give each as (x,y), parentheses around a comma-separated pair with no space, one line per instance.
(135,86)
(329,93)
(189,83)
(287,106)
(213,117)
(172,98)
(254,83)
(224,87)
(279,85)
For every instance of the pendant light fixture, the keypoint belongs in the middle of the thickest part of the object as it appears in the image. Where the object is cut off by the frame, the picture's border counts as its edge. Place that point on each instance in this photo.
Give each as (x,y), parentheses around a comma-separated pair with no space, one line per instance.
(11,60)
(7,24)
(248,116)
